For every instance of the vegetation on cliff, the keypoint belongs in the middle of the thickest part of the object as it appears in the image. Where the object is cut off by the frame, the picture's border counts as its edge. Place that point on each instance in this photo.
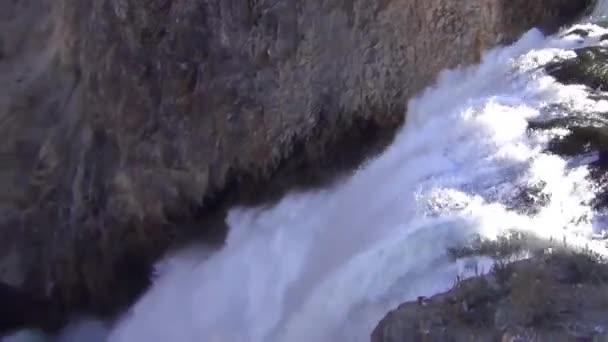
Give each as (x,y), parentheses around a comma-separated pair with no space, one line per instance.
(558,294)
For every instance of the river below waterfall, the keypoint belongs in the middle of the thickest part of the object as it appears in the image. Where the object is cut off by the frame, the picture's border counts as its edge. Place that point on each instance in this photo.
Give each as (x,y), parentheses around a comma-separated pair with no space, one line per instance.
(327,265)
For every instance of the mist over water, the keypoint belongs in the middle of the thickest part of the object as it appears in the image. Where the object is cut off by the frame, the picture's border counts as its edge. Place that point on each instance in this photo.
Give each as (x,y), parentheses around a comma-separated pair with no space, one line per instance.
(327,265)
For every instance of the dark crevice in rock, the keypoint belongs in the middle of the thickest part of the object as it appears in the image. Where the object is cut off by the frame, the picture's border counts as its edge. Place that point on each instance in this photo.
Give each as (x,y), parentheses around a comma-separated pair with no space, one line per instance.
(314,161)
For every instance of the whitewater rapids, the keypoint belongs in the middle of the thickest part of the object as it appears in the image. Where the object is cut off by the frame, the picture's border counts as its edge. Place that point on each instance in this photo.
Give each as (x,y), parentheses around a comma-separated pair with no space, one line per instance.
(327,265)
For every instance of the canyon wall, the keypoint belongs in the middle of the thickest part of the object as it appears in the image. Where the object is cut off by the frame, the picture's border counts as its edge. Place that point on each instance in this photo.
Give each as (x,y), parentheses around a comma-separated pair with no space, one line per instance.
(125,125)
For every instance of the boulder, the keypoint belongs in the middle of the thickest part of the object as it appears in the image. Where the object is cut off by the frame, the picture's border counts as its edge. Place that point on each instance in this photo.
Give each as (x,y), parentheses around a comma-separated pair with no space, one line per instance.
(589,67)
(558,296)
(587,130)
(126,126)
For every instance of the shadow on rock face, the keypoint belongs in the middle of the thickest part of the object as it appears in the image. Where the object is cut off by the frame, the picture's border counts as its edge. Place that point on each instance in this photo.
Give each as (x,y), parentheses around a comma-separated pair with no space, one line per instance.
(19,309)
(552,14)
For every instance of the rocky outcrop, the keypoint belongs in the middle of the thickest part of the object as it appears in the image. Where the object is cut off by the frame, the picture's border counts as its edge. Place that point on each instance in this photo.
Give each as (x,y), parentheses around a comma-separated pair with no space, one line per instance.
(554,297)
(587,130)
(124,124)
(588,68)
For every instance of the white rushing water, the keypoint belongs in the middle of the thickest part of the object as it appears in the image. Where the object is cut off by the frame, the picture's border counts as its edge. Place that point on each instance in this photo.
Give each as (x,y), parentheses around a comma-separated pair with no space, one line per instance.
(328,265)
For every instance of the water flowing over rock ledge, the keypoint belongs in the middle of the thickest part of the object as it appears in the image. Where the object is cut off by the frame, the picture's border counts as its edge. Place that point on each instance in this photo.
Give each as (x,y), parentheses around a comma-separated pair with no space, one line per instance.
(554,294)
(125,125)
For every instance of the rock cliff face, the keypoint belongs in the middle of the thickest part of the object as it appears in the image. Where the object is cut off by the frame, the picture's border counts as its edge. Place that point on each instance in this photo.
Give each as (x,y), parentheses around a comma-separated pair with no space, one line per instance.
(123,123)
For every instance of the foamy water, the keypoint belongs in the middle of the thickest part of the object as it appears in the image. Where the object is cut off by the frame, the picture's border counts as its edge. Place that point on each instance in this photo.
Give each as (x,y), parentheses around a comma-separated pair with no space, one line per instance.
(328,265)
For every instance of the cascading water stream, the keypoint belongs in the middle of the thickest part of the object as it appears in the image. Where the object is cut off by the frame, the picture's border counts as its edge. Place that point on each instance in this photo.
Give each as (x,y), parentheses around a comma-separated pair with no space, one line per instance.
(600,10)
(326,265)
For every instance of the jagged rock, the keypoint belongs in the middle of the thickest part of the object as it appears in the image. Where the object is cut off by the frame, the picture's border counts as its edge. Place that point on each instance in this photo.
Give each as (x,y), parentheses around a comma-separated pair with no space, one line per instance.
(555,297)
(124,124)
(588,67)
(579,32)
(587,130)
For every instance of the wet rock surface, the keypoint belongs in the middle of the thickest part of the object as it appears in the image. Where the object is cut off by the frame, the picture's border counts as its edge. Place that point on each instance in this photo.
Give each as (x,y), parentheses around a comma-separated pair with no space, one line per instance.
(126,127)
(587,131)
(588,68)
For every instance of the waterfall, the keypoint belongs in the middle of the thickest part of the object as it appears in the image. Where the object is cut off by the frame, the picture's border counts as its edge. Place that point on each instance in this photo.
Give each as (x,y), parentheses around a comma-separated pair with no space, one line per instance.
(326,265)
